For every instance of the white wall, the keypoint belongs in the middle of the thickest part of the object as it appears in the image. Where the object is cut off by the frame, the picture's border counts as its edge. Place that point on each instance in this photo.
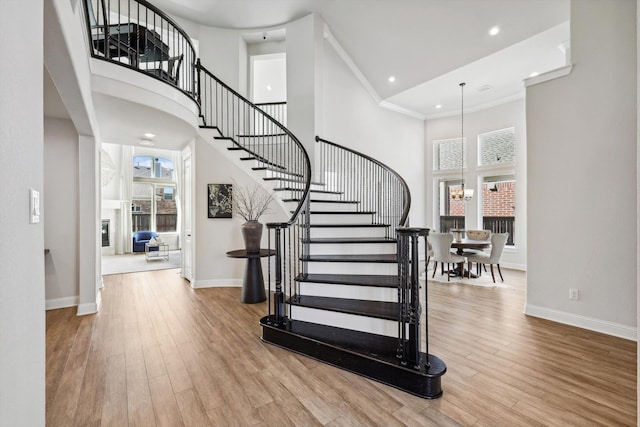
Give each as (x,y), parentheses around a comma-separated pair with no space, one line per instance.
(62,213)
(220,53)
(511,114)
(22,328)
(215,236)
(304,79)
(351,117)
(582,219)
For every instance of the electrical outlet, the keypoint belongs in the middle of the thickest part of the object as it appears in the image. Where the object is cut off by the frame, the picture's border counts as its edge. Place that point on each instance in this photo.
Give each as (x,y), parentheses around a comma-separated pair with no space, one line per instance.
(574,294)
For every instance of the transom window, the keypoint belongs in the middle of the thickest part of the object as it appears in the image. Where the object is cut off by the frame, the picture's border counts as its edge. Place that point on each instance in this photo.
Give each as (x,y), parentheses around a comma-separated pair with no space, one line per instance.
(497,147)
(153,167)
(447,153)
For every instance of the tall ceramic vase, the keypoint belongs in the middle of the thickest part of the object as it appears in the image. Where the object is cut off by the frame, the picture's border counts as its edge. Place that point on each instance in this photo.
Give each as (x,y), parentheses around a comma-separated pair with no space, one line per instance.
(252,235)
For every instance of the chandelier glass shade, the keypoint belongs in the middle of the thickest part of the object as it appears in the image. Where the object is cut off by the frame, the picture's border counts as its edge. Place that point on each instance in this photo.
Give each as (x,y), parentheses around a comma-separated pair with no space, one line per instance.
(462,193)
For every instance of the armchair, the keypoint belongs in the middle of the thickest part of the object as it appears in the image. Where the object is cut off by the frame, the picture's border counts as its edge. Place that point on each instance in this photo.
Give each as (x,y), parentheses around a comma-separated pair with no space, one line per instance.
(142,237)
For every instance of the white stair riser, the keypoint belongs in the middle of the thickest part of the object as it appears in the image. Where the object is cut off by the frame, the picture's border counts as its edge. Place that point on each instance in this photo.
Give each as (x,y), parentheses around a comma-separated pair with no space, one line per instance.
(280,174)
(346,321)
(372,293)
(294,194)
(325,196)
(341,219)
(301,185)
(352,268)
(341,207)
(347,232)
(351,248)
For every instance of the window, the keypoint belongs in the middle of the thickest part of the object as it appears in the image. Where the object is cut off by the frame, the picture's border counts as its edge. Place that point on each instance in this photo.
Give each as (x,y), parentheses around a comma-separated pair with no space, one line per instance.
(447,153)
(153,205)
(141,207)
(497,147)
(499,205)
(496,150)
(166,211)
(152,167)
(451,212)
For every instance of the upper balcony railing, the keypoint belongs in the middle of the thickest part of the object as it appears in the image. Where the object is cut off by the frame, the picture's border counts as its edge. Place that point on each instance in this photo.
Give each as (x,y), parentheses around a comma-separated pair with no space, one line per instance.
(136,34)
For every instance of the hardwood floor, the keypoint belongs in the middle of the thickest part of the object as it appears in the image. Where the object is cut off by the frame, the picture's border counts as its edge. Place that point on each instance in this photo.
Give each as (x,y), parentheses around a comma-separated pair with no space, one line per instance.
(160,353)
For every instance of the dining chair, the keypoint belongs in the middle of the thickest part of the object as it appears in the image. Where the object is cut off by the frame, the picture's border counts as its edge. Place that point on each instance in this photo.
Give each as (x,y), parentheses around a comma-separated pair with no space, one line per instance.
(441,245)
(498,242)
(429,251)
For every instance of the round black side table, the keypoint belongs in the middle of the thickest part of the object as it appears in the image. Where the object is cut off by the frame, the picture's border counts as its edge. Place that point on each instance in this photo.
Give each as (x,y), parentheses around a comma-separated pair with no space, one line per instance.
(253,282)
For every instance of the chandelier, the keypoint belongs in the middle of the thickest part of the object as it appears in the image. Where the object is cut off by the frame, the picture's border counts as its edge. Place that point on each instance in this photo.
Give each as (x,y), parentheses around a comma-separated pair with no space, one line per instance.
(462,193)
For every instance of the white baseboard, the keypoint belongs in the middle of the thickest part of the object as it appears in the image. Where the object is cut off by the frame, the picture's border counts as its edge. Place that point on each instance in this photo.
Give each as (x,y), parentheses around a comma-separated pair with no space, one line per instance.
(597,325)
(520,267)
(53,304)
(216,283)
(88,308)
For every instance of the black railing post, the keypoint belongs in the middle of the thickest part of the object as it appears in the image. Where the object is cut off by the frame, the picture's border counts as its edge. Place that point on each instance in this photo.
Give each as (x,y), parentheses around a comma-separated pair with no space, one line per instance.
(198,73)
(278,296)
(409,295)
(402,243)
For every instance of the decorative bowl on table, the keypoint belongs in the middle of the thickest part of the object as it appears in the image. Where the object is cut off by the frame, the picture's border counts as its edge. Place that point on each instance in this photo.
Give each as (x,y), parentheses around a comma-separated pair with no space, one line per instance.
(478,234)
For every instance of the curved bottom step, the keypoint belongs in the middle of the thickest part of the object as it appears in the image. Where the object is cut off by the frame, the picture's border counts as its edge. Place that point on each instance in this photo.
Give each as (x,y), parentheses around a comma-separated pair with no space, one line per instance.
(309,339)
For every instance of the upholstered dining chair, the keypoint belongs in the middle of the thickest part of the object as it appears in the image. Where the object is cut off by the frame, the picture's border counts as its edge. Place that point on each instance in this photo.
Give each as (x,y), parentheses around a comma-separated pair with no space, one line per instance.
(441,244)
(498,242)
(429,251)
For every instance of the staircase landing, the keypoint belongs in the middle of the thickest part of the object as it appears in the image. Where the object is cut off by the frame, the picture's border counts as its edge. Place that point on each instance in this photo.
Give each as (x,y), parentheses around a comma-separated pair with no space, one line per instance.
(357,352)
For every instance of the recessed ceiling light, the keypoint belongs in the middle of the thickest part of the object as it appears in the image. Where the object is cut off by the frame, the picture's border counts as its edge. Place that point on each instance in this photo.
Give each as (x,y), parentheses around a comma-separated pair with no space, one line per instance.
(147,143)
(268,87)
(484,87)
(149,135)
(535,73)
(494,31)
(439,106)
(391,79)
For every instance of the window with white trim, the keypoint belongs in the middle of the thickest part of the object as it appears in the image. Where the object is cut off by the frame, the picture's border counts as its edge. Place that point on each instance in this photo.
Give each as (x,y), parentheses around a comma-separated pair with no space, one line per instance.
(153,205)
(497,147)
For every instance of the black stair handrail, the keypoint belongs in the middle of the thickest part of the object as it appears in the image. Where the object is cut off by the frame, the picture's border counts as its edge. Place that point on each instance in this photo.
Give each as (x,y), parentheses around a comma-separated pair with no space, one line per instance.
(249,127)
(144,39)
(375,186)
(275,149)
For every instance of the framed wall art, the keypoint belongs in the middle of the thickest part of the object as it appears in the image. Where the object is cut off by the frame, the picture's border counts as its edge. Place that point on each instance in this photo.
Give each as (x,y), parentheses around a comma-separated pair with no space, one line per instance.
(219,200)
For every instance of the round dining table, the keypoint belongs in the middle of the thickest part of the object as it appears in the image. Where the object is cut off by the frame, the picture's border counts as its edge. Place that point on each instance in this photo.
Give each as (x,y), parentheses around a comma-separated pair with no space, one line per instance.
(460,247)
(469,244)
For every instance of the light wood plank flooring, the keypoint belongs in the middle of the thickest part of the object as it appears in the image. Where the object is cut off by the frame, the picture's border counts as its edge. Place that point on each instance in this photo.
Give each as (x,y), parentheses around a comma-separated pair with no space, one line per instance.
(162,354)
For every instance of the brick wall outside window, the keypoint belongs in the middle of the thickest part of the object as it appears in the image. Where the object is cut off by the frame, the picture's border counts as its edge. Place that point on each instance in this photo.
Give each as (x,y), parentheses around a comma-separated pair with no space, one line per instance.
(501,202)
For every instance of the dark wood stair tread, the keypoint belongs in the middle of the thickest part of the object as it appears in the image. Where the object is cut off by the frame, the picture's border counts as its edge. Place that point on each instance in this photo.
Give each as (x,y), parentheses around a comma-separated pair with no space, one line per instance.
(271,135)
(311,190)
(353,202)
(363,225)
(373,345)
(350,240)
(370,355)
(377,280)
(377,309)
(341,212)
(275,178)
(377,258)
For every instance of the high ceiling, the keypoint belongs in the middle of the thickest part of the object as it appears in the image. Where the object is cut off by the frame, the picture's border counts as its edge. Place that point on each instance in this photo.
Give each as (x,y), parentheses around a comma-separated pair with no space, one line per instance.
(429,46)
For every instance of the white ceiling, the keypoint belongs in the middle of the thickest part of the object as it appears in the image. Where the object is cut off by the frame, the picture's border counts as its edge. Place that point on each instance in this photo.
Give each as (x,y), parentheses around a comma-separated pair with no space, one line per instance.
(430,46)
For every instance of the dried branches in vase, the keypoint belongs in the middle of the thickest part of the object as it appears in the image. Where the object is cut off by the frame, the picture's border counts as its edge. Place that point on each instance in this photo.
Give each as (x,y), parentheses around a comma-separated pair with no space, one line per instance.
(251,204)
